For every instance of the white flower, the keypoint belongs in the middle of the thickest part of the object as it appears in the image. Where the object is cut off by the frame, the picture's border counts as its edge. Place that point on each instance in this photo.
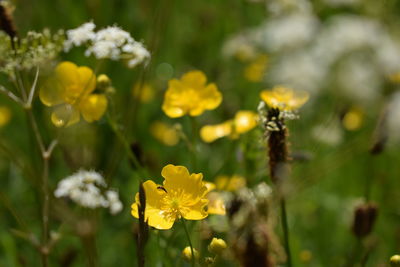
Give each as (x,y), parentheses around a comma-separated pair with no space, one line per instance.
(108,43)
(80,35)
(115,203)
(86,189)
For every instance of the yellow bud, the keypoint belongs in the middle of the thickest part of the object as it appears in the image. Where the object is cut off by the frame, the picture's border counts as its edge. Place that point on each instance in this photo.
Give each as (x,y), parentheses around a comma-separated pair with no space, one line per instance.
(395,260)
(187,254)
(103,81)
(217,245)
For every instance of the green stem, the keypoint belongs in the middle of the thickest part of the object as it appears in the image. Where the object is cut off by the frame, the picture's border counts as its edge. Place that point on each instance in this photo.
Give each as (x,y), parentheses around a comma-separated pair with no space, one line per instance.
(190,242)
(193,123)
(285,232)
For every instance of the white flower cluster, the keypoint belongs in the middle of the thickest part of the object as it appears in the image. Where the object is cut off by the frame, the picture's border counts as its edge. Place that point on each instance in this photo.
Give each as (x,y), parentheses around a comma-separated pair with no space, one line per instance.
(111,42)
(88,189)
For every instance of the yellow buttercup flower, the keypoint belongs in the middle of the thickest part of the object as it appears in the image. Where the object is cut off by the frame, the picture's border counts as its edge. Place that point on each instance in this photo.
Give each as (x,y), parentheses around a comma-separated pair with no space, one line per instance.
(230,183)
(216,204)
(145,93)
(353,119)
(182,195)
(243,122)
(284,99)
(5,115)
(255,71)
(190,95)
(165,133)
(70,91)
(210,133)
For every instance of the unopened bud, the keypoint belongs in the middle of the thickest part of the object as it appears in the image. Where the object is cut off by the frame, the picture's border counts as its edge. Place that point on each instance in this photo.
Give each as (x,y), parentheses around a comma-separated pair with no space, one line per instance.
(395,261)
(364,219)
(103,81)
(217,245)
(187,254)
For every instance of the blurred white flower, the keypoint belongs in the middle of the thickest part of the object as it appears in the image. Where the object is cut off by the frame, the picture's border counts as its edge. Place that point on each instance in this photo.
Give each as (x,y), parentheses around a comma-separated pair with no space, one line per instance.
(329,133)
(108,43)
(393,118)
(86,188)
(288,31)
(80,35)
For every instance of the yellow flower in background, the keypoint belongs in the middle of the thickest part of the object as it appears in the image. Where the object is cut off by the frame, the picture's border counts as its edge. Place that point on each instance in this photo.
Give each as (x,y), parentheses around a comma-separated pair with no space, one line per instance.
(70,91)
(190,95)
(5,116)
(255,71)
(210,133)
(353,119)
(284,99)
(164,133)
(395,77)
(230,183)
(182,195)
(243,122)
(144,93)
(187,254)
(216,204)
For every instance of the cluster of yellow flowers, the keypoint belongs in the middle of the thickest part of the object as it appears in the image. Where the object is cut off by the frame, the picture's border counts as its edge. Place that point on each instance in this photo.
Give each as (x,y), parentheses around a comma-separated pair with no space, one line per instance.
(71,91)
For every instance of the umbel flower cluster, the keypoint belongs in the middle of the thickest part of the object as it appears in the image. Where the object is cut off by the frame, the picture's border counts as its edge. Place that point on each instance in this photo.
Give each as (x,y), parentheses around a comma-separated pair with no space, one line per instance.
(32,51)
(108,43)
(88,189)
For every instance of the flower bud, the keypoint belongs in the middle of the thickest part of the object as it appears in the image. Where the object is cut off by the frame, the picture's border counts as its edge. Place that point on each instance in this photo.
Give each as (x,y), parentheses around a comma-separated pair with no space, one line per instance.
(217,245)
(395,261)
(187,254)
(364,219)
(103,81)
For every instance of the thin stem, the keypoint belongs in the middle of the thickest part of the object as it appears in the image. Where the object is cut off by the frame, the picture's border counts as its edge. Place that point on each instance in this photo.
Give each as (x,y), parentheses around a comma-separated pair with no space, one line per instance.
(11,96)
(33,89)
(285,232)
(190,242)
(193,123)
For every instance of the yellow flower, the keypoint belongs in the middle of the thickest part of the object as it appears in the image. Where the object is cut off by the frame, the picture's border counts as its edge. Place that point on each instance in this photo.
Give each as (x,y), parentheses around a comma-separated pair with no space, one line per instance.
(353,119)
(231,184)
(243,122)
(165,133)
(190,95)
(284,99)
(187,254)
(255,71)
(5,115)
(70,91)
(216,204)
(182,195)
(217,245)
(144,93)
(210,133)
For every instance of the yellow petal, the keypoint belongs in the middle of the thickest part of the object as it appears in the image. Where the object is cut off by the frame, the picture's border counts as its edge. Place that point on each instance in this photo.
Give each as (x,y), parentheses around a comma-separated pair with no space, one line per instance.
(5,115)
(93,107)
(65,115)
(51,93)
(87,80)
(245,121)
(195,79)
(177,178)
(216,204)
(210,133)
(154,212)
(67,73)
(210,186)
(211,96)
(284,98)
(197,211)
